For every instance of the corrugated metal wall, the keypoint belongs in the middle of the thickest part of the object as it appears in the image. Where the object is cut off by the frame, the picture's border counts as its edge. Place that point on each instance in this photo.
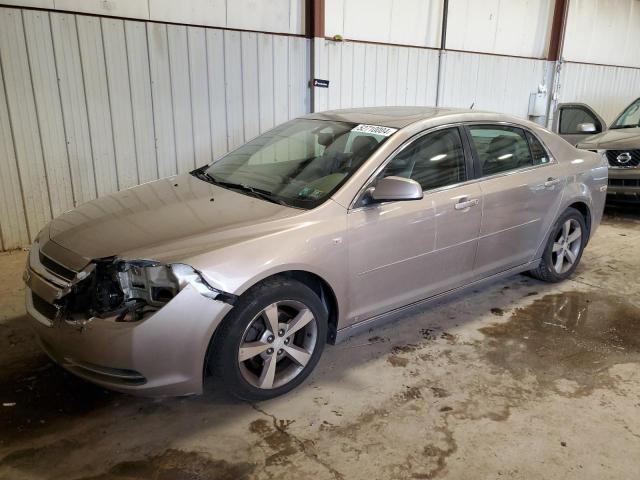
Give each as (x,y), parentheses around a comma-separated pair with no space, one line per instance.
(407,22)
(365,74)
(91,105)
(510,27)
(603,32)
(606,89)
(282,16)
(490,82)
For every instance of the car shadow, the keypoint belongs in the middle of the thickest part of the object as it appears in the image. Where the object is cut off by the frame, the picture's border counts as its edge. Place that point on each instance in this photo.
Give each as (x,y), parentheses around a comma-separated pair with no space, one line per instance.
(622,212)
(39,397)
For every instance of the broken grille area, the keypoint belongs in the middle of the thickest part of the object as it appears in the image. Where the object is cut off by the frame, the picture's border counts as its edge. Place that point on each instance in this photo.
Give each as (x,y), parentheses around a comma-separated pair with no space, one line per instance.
(43,307)
(56,268)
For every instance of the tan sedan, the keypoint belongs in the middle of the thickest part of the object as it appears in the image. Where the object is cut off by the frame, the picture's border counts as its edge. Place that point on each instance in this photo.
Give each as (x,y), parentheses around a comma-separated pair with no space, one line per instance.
(313,231)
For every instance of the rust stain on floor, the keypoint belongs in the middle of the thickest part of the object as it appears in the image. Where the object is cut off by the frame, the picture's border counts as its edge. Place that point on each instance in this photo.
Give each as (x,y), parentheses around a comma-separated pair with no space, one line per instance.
(177,465)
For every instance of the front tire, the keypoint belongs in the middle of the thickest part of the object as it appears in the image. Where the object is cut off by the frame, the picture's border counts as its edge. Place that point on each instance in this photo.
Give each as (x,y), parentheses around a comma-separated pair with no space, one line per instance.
(271,340)
(564,248)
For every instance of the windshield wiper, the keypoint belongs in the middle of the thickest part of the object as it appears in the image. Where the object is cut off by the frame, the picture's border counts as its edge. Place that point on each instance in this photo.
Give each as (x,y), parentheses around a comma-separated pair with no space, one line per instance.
(256,192)
(617,127)
(202,175)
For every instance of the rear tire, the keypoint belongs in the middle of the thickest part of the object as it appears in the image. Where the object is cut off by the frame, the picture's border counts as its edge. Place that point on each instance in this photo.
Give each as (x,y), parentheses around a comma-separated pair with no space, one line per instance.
(271,340)
(564,248)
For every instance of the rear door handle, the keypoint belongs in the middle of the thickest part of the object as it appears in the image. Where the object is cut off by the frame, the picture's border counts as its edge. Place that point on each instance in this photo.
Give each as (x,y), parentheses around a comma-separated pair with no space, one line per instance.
(551,182)
(464,204)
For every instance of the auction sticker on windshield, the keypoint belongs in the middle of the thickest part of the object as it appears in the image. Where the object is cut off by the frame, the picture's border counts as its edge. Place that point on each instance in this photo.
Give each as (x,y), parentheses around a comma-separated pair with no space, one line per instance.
(375,130)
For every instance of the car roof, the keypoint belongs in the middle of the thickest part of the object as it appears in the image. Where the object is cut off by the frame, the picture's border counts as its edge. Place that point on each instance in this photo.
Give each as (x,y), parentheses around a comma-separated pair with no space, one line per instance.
(399,117)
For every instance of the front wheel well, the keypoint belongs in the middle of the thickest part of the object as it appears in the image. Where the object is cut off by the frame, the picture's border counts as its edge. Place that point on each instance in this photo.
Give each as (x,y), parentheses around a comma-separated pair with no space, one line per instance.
(316,283)
(583,208)
(324,292)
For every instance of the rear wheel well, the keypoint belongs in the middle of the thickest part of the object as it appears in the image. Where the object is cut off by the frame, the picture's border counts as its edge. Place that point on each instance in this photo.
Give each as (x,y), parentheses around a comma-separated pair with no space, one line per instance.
(586,214)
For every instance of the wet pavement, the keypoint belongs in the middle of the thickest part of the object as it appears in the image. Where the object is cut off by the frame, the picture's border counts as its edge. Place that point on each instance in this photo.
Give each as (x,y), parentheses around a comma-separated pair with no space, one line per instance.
(520,379)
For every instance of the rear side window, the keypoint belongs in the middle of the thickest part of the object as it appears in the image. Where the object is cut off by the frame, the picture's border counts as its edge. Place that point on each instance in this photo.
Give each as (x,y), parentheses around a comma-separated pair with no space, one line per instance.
(500,148)
(434,160)
(538,152)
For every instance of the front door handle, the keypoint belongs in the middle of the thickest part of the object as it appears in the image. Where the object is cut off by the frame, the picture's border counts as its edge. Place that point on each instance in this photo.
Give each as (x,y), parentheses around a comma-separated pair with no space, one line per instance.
(463,204)
(551,182)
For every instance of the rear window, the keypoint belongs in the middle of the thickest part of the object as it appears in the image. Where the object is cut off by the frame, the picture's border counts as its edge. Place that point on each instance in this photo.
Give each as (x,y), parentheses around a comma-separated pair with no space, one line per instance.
(538,152)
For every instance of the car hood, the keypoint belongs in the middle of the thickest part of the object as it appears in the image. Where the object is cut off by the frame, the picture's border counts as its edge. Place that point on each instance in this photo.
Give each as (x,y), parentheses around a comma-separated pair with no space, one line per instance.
(162,212)
(616,139)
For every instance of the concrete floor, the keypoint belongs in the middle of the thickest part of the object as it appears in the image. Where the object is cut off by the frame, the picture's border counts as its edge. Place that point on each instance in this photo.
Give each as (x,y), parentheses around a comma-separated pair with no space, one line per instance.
(518,380)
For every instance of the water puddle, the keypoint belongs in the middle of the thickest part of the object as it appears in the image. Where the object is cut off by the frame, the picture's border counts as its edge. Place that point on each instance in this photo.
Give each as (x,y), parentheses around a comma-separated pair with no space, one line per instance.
(576,336)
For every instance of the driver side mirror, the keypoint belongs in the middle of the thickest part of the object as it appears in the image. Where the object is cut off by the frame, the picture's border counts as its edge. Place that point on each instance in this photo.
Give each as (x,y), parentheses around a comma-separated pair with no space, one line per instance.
(586,128)
(394,189)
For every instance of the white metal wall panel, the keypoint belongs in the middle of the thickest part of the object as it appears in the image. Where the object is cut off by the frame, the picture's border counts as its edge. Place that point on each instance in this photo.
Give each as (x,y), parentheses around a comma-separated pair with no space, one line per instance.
(217,89)
(407,22)
(141,103)
(194,12)
(250,97)
(13,228)
(30,3)
(181,95)
(508,27)
(603,31)
(162,99)
(114,8)
(90,105)
(233,83)
(24,120)
(115,50)
(265,85)
(362,74)
(94,97)
(281,78)
(606,89)
(74,108)
(298,76)
(490,82)
(47,98)
(271,16)
(283,16)
(198,76)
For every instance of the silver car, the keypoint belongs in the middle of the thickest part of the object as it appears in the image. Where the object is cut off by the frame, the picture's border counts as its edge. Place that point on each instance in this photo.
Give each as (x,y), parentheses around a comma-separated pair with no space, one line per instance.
(620,144)
(310,233)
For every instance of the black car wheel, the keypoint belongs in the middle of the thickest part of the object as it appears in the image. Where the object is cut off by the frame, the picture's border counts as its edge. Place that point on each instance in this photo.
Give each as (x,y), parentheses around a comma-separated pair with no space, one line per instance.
(271,340)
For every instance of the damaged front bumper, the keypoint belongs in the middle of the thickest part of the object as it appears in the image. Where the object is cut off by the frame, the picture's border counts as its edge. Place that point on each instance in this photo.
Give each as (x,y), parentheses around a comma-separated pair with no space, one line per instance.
(161,354)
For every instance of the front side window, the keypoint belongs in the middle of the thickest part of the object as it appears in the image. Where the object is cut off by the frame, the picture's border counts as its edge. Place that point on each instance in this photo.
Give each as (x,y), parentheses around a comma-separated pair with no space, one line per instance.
(500,148)
(434,160)
(300,163)
(630,118)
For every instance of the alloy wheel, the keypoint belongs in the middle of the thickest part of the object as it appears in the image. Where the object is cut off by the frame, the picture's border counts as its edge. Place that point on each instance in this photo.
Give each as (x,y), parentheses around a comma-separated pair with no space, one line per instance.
(277,344)
(566,246)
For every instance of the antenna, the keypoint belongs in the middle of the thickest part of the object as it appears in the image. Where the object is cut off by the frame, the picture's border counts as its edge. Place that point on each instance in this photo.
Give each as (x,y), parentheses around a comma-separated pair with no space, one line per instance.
(472,104)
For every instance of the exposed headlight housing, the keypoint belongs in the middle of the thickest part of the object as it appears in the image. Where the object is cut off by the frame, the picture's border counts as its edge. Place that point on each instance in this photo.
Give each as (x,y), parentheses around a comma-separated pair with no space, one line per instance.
(131,289)
(151,282)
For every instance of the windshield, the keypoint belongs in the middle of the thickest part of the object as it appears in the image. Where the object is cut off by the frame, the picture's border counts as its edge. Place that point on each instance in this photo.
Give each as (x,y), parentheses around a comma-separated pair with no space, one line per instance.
(299,163)
(630,118)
